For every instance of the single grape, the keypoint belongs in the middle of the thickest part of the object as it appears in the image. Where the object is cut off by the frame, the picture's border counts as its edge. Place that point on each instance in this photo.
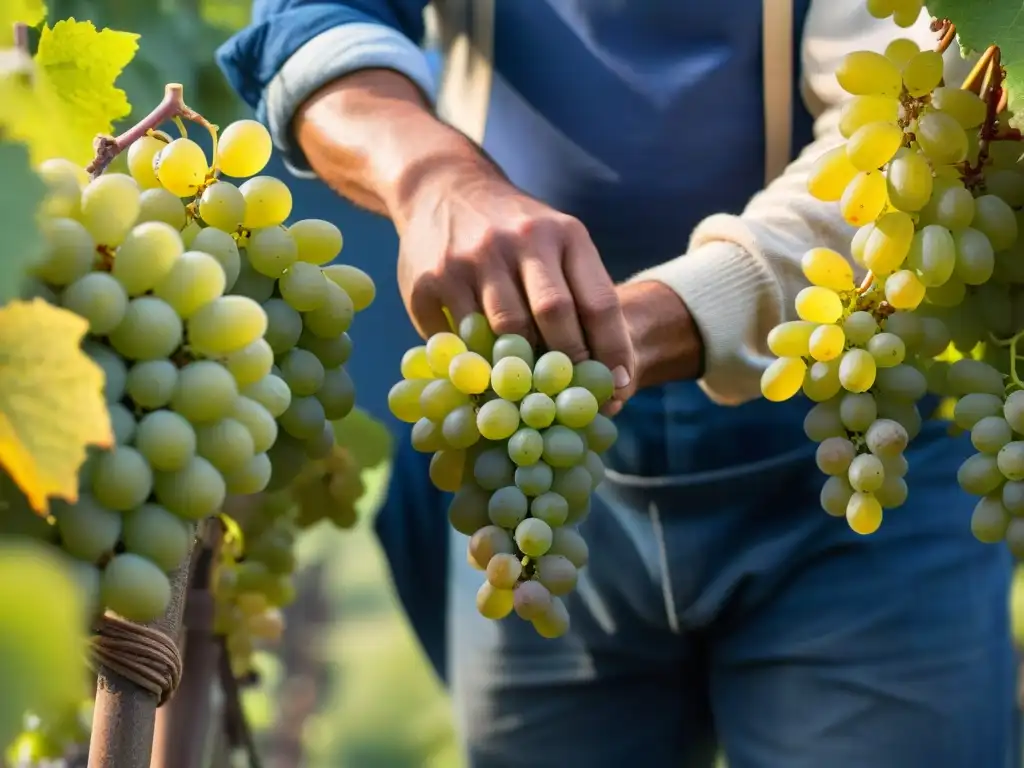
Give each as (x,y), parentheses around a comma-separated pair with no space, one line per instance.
(864,513)
(834,455)
(562,446)
(333,317)
(135,588)
(467,512)
(357,284)
(476,332)
(493,469)
(304,418)
(140,160)
(319,242)
(303,286)
(194,280)
(531,600)
(110,207)
(534,479)
(507,507)
(301,371)
(205,391)
(270,392)
(121,479)
(556,573)
(525,447)
(98,298)
(194,492)
(181,167)
(223,248)
(226,325)
(835,495)
(268,202)
(459,427)
(487,542)
(537,410)
(783,378)
(155,534)
(497,419)
(88,530)
(147,256)
(166,440)
(792,338)
(533,537)
(575,407)
(493,603)
(227,444)
(337,393)
(446,469)
(830,175)
(222,206)
(258,420)
(150,330)
(243,149)
(469,372)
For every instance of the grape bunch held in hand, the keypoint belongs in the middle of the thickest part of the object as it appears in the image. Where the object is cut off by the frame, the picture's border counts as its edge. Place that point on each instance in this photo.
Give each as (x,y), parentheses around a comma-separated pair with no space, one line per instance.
(222,337)
(930,175)
(517,439)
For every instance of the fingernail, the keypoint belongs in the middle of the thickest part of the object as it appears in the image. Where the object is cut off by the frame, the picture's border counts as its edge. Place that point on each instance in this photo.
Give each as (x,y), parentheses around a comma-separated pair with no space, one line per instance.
(620,376)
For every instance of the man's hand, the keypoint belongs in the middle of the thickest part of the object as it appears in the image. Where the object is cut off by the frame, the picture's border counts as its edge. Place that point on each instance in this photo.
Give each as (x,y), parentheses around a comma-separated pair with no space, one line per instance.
(472,242)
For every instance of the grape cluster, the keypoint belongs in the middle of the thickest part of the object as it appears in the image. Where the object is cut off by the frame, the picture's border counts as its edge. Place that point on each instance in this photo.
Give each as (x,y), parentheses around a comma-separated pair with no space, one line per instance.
(517,439)
(903,12)
(222,337)
(935,195)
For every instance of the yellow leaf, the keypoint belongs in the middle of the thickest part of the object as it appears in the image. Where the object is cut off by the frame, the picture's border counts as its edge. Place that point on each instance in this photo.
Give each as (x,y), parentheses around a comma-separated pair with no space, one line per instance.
(51,400)
(31,12)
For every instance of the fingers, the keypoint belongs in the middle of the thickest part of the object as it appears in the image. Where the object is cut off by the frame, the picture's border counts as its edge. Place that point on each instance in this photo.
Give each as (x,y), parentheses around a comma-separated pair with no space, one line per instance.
(599,311)
(504,305)
(460,299)
(424,307)
(551,302)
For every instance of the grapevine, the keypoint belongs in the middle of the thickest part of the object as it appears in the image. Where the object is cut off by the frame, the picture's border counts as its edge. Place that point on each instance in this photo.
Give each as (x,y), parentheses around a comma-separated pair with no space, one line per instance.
(929,174)
(172,341)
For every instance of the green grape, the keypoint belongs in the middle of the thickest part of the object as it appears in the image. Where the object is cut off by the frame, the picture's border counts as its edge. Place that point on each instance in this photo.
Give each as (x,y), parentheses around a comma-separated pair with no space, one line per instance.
(857,370)
(932,255)
(166,440)
(110,206)
(557,574)
(303,286)
(537,410)
(881,9)
(533,537)
(69,253)
(147,256)
(88,530)
(941,138)
(121,479)
(575,407)
(1006,184)
(866,473)
(467,512)
(227,444)
(1010,461)
(331,352)
(1012,410)
(194,280)
(493,469)
(304,418)
(353,281)
(150,330)
(319,242)
(205,391)
(273,394)
(595,467)
(222,206)
(258,420)
(135,588)
(223,248)
(601,433)
(990,520)
(980,473)
(868,73)
(534,479)
(337,394)
(404,400)
(441,349)
(574,485)
(254,477)
(122,423)
(966,107)
(226,325)
(438,398)
(497,419)
(194,492)
(284,325)
(415,364)
(64,182)
(115,372)
(140,155)
(476,333)
(334,317)
(551,508)
(512,345)
(888,349)
(459,427)
(552,373)
(503,571)
(98,298)
(569,543)
(301,371)
(901,382)
(935,337)
(160,205)
(909,181)
(251,363)
(996,220)
(990,434)
(469,372)
(1012,497)
(525,447)
(892,493)
(951,206)
(189,232)
(507,507)
(923,72)
(426,436)
(155,534)
(907,12)
(181,167)
(861,110)
(975,259)
(821,381)
(493,603)
(511,378)
(268,202)
(858,410)
(446,469)
(595,377)
(835,496)
(243,149)
(271,251)
(562,446)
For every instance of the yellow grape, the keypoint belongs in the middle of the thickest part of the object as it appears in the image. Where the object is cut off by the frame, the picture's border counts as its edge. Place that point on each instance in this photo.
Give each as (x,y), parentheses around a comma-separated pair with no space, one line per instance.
(857,370)
(964,106)
(446,468)
(889,243)
(494,603)
(818,305)
(268,202)
(881,9)
(830,175)
(861,110)
(859,240)
(244,149)
(907,12)
(822,381)
(922,73)
(873,145)
(140,161)
(901,50)
(783,378)
(864,513)
(866,72)
(909,181)
(441,350)
(791,339)
(415,365)
(941,138)
(827,268)
(903,290)
(470,373)
(181,167)
(404,399)
(864,198)
(827,343)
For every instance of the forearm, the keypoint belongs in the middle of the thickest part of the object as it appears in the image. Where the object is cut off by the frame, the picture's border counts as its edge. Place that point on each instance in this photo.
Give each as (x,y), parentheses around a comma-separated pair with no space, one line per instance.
(373,138)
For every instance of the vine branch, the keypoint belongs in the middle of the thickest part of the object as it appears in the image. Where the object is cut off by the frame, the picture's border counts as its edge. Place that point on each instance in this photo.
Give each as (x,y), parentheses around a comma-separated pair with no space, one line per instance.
(171,107)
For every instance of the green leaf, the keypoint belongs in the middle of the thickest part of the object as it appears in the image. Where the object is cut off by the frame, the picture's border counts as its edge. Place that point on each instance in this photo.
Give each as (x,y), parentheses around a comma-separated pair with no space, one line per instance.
(981,23)
(20,195)
(367,439)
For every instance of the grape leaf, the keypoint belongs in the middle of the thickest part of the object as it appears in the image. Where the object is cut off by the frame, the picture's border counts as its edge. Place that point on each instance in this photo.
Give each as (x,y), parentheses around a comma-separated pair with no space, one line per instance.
(981,23)
(51,400)
(20,195)
(30,12)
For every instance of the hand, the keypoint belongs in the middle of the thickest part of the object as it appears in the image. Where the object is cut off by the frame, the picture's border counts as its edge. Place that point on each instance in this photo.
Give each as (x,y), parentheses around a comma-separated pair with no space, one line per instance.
(472,242)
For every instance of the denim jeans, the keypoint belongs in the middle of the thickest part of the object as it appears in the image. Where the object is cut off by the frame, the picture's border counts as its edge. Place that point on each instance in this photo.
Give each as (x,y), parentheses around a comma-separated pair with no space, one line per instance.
(729,611)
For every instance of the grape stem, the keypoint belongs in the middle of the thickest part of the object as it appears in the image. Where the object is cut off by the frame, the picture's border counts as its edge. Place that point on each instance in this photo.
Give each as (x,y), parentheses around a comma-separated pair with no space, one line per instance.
(947,34)
(1012,343)
(866,283)
(973,80)
(992,91)
(171,107)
